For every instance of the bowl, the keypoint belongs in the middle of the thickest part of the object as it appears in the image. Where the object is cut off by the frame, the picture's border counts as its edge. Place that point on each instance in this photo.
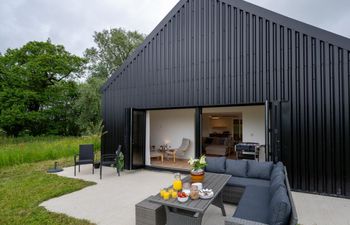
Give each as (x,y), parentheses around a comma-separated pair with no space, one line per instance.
(182,199)
(187,191)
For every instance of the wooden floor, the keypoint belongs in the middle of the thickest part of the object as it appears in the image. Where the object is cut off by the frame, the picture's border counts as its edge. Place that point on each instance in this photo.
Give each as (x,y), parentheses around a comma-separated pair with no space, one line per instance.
(179,164)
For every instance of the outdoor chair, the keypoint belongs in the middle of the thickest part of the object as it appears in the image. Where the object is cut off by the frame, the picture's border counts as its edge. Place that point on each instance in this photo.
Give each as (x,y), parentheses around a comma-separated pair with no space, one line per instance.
(110,159)
(185,144)
(86,156)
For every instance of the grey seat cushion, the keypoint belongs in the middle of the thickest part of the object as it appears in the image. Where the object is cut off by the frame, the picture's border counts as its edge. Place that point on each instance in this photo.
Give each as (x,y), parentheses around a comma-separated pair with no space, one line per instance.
(280,207)
(84,161)
(216,164)
(237,168)
(245,181)
(254,204)
(260,170)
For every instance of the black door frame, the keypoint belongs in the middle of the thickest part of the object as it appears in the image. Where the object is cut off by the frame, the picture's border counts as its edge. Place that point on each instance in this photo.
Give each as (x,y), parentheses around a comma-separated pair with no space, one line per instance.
(131,138)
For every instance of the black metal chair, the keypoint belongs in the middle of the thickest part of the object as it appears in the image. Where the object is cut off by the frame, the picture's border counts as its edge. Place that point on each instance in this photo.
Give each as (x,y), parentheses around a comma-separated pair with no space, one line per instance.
(86,156)
(110,159)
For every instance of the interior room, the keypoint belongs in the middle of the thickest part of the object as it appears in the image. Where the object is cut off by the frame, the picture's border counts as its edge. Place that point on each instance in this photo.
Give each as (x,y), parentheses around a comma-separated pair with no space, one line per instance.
(235,132)
(170,138)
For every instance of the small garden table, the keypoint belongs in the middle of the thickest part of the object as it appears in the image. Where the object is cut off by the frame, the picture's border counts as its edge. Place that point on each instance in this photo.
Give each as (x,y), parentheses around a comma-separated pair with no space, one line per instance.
(192,211)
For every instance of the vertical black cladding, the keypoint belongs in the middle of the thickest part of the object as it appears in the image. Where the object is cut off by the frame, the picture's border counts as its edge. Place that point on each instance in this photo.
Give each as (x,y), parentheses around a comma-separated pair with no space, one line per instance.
(227,52)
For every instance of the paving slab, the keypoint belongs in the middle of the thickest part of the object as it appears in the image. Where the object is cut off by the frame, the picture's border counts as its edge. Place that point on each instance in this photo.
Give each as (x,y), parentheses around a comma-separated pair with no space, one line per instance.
(112,200)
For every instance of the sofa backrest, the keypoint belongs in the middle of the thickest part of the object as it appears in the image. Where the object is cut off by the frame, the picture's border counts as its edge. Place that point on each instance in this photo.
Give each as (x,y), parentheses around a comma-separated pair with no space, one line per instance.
(277,169)
(242,168)
(260,170)
(216,164)
(236,168)
(293,219)
(282,208)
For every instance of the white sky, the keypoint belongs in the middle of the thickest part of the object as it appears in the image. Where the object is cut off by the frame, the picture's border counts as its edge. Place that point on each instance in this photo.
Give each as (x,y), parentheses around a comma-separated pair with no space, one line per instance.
(73,22)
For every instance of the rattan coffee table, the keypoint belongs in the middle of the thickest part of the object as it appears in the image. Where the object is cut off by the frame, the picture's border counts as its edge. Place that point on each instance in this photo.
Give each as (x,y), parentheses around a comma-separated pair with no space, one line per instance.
(192,211)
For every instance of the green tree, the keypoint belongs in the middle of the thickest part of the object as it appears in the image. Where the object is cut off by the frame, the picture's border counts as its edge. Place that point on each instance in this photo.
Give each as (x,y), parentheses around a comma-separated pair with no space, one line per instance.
(112,48)
(35,84)
(89,105)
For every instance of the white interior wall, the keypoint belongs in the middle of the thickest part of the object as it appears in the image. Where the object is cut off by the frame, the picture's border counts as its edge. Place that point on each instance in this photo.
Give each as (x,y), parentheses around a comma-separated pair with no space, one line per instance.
(170,126)
(253,121)
(219,125)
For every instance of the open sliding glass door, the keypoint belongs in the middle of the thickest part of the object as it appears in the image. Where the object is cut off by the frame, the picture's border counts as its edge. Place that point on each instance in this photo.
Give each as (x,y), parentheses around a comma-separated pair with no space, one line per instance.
(137,138)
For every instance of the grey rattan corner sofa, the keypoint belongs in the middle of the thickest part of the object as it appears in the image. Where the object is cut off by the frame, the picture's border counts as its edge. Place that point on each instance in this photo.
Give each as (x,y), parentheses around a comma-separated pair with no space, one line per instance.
(259,189)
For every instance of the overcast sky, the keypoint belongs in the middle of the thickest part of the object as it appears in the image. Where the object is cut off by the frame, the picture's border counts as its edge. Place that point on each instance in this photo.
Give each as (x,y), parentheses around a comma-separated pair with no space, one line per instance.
(72,22)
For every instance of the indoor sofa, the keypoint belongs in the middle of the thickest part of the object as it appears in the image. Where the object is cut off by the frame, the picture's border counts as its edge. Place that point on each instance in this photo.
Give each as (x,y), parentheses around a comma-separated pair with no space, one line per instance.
(259,189)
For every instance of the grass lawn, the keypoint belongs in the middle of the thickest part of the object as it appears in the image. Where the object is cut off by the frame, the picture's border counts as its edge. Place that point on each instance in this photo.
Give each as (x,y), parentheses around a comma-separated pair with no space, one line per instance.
(24,187)
(16,151)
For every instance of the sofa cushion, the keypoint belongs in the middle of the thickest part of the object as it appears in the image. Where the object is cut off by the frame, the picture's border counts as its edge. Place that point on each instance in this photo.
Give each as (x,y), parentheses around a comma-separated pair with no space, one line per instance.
(254,204)
(278,168)
(244,182)
(208,140)
(277,182)
(215,164)
(276,173)
(280,207)
(260,170)
(237,168)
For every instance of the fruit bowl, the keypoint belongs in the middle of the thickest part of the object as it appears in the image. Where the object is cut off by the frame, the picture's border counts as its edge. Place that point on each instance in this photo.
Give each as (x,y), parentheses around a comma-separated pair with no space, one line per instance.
(182,197)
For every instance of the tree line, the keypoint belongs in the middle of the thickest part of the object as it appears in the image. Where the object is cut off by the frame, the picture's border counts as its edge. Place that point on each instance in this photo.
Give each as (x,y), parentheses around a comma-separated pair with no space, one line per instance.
(46,90)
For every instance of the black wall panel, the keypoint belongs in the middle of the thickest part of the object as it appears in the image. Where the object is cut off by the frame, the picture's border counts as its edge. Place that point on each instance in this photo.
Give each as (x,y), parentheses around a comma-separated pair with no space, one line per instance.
(212,52)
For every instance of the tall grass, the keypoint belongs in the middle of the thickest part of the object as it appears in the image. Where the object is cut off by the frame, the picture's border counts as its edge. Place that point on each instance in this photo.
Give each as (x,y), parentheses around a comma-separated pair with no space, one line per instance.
(15,151)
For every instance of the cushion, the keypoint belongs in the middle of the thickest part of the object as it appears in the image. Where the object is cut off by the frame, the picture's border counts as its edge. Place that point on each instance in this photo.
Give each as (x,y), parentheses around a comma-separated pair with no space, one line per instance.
(215,164)
(278,168)
(84,161)
(237,168)
(254,204)
(280,208)
(208,140)
(260,170)
(244,182)
(277,182)
(216,141)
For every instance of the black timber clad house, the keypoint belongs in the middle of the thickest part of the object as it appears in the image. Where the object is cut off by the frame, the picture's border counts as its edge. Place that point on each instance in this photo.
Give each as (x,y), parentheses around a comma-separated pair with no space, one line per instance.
(230,52)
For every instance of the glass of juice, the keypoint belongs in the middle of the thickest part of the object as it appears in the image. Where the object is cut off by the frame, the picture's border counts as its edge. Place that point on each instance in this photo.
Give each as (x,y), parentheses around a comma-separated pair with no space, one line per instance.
(162,192)
(174,194)
(166,195)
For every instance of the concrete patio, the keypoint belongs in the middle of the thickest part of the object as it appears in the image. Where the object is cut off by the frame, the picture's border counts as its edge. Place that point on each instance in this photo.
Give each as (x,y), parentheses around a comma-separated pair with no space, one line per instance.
(112,200)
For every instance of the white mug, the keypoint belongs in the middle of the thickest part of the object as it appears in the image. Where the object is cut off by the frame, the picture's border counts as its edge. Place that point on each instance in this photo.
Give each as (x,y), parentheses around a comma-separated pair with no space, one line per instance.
(199,186)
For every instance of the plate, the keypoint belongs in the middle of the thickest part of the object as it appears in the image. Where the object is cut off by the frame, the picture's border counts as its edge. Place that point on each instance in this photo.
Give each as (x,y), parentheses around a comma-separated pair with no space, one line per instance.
(206,195)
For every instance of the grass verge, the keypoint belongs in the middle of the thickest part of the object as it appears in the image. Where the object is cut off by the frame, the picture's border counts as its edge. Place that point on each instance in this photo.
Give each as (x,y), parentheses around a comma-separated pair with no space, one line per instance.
(24,187)
(16,151)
